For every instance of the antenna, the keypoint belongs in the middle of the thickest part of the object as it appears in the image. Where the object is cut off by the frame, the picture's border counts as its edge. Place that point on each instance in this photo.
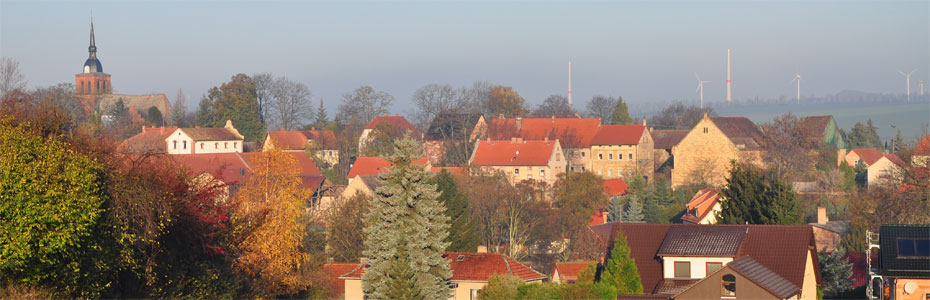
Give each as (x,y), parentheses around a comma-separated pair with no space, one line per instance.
(797,77)
(569,83)
(700,87)
(907,83)
(729,97)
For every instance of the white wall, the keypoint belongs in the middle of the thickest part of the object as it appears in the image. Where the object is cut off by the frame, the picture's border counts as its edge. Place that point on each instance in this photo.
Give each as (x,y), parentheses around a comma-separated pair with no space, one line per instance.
(698,265)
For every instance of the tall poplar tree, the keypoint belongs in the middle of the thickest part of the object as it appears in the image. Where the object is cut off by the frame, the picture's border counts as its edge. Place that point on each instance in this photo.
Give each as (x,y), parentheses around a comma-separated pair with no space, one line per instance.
(406,223)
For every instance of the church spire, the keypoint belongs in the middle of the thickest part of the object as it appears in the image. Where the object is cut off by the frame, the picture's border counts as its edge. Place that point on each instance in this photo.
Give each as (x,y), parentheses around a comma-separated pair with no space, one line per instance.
(92,64)
(93,48)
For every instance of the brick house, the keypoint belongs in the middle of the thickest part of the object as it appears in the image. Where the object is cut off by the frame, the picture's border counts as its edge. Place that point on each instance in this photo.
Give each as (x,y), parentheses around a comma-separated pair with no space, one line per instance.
(705,153)
(321,142)
(449,128)
(828,233)
(619,151)
(470,273)
(395,126)
(671,258)
(574,135)
(520,159)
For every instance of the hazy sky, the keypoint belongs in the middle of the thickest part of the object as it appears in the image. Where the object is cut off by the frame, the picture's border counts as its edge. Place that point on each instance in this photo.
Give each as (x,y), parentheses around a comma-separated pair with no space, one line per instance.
(643,51)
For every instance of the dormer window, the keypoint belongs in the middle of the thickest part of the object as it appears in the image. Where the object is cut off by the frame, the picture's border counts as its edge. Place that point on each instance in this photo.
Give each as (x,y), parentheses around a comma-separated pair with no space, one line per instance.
(728,285)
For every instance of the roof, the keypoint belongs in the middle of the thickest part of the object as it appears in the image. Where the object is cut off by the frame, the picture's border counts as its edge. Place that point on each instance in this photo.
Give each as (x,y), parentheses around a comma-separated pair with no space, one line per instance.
(302,160)
(890,243)
(740,131)
(618,135)
(398,122)
(297,140)
(615,187)
(817,124)
(780,248)
(868,155)
(454,170)
(700,205)
(894,159)
(569,270)
(573,132)
(764,277)
(671,286)
(140,102)
(227,167)
(456,126)
(923,148)
(334,270)
(702,241)
(666,139)
(513,153)
(211,134)
(841,227)
(374,165)
(475,266)
(325,138)
(150,140)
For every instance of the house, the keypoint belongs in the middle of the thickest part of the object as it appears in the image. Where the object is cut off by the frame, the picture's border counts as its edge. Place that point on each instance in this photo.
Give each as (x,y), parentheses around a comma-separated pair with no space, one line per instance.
(614,187)
(335,270)
(373,165)
(620,151)
(204,140)
(150,140)
(828,233)
(394,126)
(364,185)
(903,267)
(520,159)
(567,272)
(825,127)
(743,278)
(470,273)
(879,166)
(662,143)
(671,258)
(574,135)
(921,155)
(321,142)
(705,153)
(452,129)
(703,207)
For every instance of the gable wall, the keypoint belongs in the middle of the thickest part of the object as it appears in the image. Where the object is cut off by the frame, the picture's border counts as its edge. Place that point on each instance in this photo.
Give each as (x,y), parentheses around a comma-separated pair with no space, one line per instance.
(703,156)
(712,287)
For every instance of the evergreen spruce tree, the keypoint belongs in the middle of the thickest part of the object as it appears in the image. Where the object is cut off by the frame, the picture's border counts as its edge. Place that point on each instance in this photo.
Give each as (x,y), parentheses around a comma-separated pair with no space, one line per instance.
(322,117)
(621,114)
(661,192)
(405,222)
(754,198)
(615,209)
(620,270)
(836,272)
(463,231)
(634,211)
(401,282)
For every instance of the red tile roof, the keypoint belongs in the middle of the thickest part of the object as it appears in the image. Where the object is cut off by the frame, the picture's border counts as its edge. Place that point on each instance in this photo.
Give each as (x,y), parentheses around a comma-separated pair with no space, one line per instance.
(398,122)
(816,124)
(894,159)
(374,165)
(868,155)
(335,270)
(615,187)
(644,241)
(924,147)
(598,217)
(297,140)
(305,164)
(618,135)
(568,271)
(764,277)
(513,153)
(150,140)
(572,132)
(475,266)
(227,167)
(700,205)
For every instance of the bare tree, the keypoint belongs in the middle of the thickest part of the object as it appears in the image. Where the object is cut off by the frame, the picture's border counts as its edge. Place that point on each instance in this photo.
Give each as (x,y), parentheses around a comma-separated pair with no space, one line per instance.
(432,99)
(289,104)
(11,77)
(554,105)
(790,148)
(679,116)
(363,104)
(477,98)
(601,107)
(264,85)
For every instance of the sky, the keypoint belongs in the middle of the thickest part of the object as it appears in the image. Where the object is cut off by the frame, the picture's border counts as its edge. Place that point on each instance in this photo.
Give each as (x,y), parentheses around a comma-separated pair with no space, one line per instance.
(641,50)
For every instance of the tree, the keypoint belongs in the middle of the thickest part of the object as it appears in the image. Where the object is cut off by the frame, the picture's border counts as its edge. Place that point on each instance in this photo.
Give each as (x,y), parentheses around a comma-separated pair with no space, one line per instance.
(587,274)
(621,115)
(836,271)
(205,115)
(405,222)
(345,223)
(615,209)
(269,214)
(679,116)
(364,104)
(179,115)
(463,232)
(507,102)
(600,107)
(554,105)
(237,102)
(500,287)
(864,136)
(153,115)
(620,272)
(577,196)
(380,141)
(789,147)
(756,198)
(322,117)
(264,91)
(477,98)
(290,104)
(634,211)
(11,77)
(433,99)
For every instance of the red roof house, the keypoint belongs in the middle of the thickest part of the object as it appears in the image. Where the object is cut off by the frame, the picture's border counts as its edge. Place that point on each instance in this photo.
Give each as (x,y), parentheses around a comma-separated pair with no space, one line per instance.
(615,187)
(572,132)
(567,272)
(150,140)
(521,159)
(618,135)
(292,140)
(335,270)
(703,207)
(374,165)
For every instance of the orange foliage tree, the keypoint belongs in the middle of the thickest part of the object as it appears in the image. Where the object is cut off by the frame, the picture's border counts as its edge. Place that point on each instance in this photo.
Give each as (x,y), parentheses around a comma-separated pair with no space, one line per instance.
(505,101)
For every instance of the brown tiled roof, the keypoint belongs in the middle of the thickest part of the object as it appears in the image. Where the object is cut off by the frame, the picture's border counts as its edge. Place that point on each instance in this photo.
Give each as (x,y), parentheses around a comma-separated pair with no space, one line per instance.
(572,132)
(150,140)
(894,159)
(305,165)
(644,240)
(816,124)
(211,134)
(288,140)
(569,270)
(764,277)
(702,241)
(669,286)
(641,297)
(227,167)
(740,131)
(618,135)
(666,139)
(700,205)
(325,138)
(475,266)
(513,153)
(868,155)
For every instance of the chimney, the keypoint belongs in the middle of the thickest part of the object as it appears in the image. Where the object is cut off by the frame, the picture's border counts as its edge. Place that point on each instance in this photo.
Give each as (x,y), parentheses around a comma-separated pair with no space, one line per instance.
(644,121)
(705,115)
(553,118)
(143,128)
(519,123)
(363,260)
(822,215)
(330,260)
(482,249)
(546,139)
(198,126)
(162,130)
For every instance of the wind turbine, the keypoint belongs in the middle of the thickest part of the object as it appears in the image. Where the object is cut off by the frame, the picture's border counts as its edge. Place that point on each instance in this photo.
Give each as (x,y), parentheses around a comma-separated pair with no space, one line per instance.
(921,84)
(907,80)
(797,77)
(700,87)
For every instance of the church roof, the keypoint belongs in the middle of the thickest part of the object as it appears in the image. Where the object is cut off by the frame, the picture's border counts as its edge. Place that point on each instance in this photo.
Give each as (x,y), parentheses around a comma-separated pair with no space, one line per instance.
(140,102)
(92,64)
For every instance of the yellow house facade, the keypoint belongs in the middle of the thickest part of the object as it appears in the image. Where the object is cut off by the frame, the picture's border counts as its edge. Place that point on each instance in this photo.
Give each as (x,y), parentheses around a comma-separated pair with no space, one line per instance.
(705,153)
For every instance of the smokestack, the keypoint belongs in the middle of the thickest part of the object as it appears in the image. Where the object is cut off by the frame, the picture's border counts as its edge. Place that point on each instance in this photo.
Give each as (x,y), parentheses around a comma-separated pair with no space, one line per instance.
(569,83)
(729,96)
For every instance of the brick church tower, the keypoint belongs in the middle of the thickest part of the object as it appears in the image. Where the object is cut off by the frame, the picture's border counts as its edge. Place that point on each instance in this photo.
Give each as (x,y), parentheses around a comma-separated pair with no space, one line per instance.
(92,82)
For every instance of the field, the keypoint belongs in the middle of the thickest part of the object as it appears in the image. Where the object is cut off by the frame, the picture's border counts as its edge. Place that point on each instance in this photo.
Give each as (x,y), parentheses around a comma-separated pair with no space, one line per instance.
(912,119)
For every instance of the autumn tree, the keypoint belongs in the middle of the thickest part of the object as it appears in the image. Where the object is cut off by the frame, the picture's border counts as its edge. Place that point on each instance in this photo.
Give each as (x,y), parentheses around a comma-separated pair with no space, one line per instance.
(621,114)
(433,99)
(753,197)
(269,213)
(620,273)
(380,141)
(507,102)
(405,228)
(235,100)
(577,196)
(790,148)
(554,105)
(463,231)
(345,223)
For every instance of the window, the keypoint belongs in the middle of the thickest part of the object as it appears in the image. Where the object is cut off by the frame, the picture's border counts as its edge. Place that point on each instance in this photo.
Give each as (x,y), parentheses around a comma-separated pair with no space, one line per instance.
(610,173)
(529,176)
(610,156)
(185,144)
(226,145)
(913,248)
(713,266)
(516,171)
(542,173)
(705,129)
(728,283)
(620,156)
(201,146)
(582,153)
(682,269)
(600,156)
(175,145)
(473,294)
(216,145)
(631,155)
(599,173)
(235,144)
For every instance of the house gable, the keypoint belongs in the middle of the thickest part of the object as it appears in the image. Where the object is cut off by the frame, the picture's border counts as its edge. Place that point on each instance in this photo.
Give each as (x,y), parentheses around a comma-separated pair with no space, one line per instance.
(704,154)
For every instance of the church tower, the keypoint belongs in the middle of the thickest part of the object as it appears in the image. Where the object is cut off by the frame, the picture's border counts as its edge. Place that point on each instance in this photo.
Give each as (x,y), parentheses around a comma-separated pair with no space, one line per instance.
(92,81)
